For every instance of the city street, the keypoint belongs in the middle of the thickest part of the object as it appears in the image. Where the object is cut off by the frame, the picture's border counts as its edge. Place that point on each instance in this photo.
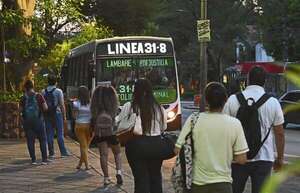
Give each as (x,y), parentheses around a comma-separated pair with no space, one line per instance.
(18,176)
(73,68)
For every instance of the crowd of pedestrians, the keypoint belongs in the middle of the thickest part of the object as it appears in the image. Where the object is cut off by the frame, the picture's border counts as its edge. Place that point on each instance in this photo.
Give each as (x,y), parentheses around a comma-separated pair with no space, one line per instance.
(232,141)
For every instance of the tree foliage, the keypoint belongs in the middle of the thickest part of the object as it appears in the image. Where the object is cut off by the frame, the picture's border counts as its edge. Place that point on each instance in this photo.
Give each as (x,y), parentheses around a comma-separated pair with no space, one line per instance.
(280,24)
(178,19)
(52,22)
(58,18)
(54,59)
(125,17)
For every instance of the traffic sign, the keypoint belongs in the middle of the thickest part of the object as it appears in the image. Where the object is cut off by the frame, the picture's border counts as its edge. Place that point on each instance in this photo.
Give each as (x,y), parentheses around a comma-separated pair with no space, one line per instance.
(203,29)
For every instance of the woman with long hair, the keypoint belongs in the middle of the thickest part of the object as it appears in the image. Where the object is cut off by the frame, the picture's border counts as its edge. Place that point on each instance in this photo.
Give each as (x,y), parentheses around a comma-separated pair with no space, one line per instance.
(105,100)
(82,114)
(146,170)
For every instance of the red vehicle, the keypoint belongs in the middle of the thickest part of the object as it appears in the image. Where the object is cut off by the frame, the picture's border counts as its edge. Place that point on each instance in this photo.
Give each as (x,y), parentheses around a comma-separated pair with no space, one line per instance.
(235,77)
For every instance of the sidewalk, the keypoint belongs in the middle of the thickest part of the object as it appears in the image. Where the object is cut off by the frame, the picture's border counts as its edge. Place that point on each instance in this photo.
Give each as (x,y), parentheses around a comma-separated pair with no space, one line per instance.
(17,175)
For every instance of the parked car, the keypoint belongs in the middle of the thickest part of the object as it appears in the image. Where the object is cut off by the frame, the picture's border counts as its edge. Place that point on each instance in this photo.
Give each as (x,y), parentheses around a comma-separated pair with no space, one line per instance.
(291,97)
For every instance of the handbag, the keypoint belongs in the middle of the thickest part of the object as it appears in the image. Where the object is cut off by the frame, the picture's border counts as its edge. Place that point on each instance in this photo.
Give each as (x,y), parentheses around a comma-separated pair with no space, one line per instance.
(127,123)
(182,171)
(168,145)
(129,128)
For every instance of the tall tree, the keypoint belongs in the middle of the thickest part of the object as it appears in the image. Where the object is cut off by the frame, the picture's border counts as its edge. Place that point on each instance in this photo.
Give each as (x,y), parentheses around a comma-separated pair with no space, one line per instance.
(58,18)
(228,21)
(53,21)
(125,17)
(280,25)
(55,57)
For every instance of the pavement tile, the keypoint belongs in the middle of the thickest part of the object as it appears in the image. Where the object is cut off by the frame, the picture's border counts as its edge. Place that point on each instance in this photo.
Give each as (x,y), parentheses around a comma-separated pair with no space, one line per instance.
(17,175)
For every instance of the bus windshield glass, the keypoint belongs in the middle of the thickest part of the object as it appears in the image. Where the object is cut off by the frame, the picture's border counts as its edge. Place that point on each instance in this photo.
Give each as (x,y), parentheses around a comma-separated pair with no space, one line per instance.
(122,72)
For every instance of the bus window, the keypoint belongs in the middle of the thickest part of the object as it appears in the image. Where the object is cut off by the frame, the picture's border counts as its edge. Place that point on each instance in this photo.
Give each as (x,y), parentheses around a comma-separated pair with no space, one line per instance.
(161,75)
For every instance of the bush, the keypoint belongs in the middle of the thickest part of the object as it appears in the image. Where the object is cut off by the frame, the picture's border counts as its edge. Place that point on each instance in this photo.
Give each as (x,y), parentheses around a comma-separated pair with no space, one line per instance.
(10,96)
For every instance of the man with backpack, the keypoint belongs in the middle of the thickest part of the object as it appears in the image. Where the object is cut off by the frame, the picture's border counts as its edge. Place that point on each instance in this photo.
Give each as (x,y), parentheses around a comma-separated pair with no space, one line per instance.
(32,104)
(55,116)
(261,117)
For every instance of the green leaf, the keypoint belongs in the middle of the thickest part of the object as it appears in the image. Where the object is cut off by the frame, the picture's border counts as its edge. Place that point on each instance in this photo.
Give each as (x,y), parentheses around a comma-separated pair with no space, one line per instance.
(276,179)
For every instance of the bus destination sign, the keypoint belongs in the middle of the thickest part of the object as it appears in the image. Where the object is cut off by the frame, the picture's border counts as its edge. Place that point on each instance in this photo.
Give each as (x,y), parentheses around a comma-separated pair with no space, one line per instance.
(137,62)
(134,47)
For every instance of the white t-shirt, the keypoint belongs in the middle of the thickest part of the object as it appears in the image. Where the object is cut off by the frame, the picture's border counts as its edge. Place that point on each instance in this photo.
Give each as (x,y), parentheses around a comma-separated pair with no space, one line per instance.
(217,137)
(84,112)
(270,115)
(156,127)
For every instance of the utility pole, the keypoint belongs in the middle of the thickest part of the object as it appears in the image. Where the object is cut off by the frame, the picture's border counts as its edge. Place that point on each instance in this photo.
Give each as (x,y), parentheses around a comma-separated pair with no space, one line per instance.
(3,57)
(203,58)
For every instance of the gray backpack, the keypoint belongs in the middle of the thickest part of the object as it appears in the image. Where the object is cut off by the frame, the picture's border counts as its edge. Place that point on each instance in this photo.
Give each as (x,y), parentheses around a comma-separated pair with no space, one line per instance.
(104,125)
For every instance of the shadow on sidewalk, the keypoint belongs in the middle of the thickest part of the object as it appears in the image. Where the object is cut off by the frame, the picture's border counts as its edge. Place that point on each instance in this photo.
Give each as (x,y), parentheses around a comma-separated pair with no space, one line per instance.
(74,176)
(107,189)
(15,169)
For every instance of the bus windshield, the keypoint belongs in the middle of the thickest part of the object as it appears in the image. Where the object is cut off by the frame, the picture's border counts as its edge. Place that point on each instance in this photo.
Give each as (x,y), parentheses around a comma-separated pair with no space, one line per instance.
(122,72)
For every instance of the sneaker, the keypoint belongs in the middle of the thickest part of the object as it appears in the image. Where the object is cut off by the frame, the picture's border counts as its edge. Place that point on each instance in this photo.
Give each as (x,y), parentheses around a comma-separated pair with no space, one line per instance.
(34,163)
(119,179)
(65,155)
(107,181)
(51,157)
(46,162)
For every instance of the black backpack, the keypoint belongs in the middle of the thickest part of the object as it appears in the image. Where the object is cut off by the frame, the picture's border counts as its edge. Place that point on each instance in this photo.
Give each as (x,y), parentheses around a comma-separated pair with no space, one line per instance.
(50,100)
(249,116)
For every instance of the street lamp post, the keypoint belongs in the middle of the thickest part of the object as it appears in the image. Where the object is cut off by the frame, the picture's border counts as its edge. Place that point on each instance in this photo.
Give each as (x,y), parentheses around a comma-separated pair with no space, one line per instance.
(3,52)
(203,58)
(4,59)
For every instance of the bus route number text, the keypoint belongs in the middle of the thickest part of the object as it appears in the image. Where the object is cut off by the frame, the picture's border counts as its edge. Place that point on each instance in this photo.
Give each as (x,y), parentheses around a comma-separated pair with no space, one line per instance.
(136,48)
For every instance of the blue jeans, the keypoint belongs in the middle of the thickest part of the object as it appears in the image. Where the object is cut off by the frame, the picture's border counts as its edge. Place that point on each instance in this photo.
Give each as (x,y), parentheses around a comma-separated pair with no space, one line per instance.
(57,124)
(36,130)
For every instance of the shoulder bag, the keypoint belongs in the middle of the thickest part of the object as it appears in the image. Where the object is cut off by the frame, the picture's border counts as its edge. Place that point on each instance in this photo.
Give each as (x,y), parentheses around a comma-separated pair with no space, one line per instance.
(128,127)
(182,172)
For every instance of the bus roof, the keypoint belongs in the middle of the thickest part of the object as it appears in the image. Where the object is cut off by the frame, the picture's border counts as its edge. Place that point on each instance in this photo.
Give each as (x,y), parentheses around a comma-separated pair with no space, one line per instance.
(91,46)
(133,38)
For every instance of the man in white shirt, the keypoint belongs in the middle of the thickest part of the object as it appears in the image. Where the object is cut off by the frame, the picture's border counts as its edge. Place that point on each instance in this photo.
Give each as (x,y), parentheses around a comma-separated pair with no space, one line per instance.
(270,116)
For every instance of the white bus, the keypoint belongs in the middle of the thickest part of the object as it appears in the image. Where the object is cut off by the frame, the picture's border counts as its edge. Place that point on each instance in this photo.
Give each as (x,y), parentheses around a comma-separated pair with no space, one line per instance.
(119,62)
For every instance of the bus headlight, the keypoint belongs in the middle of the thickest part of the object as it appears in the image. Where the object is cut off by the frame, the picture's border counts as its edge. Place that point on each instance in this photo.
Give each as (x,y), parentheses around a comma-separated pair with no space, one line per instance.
(171,115)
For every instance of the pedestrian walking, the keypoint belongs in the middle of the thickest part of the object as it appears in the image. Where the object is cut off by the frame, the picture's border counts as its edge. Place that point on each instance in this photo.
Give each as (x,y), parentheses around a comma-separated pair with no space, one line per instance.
(218,139)
(261,116)
(55,117)
(145,166)
(82,114)
(104,108)
(32,106)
